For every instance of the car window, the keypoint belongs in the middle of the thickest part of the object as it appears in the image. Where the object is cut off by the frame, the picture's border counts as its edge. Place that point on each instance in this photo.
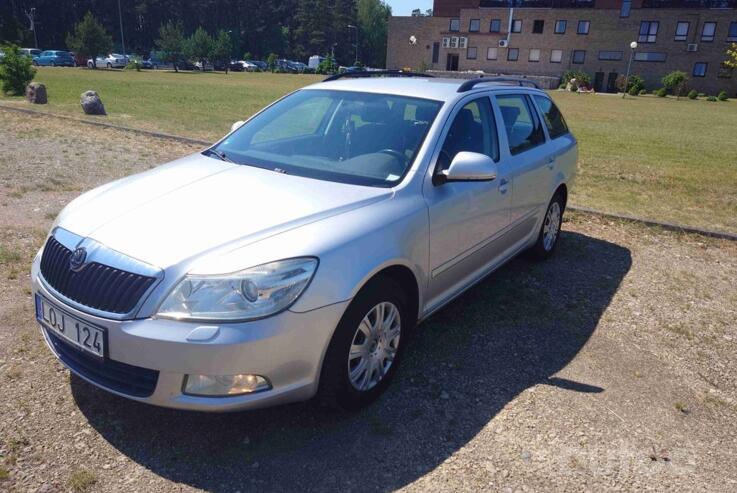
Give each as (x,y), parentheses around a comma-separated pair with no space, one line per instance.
(350,137)
(552,116)
(473,130)
(523,128)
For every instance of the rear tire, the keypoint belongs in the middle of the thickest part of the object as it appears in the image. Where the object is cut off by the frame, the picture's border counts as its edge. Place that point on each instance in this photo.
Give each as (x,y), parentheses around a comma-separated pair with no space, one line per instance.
(363,357)
(547,238)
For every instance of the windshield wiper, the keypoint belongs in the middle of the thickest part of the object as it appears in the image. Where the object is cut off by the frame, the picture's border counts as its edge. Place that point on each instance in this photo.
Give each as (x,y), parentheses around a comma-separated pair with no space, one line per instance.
(219,154)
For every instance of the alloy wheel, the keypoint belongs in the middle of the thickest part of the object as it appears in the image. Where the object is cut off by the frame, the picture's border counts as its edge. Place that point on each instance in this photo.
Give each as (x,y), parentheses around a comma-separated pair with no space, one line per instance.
(551,228)
(374,346)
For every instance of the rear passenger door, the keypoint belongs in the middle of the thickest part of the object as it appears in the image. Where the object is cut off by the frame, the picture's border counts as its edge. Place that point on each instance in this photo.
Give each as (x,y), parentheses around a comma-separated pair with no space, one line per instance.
(562,143)
(526,157)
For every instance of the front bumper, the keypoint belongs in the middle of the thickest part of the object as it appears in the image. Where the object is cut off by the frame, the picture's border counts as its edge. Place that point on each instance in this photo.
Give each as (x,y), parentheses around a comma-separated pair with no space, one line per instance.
(287,349)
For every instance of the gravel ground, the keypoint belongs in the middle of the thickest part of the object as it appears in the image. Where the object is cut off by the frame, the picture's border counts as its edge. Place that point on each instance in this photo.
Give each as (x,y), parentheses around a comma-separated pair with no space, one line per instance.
(610,367)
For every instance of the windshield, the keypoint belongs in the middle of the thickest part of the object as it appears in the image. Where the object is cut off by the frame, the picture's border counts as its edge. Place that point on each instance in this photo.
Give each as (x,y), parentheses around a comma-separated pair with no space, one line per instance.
(350,137)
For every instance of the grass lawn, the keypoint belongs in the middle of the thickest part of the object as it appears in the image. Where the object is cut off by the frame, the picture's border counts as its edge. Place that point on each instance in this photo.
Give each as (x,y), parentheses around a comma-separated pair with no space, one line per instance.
(656,158)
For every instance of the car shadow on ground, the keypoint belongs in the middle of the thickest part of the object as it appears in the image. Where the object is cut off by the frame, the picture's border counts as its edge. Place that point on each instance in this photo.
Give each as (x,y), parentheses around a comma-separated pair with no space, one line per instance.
(515,329)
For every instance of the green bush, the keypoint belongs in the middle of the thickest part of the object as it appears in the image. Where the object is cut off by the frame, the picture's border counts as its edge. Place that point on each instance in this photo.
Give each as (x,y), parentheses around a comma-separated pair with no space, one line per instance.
(675,82)
(633,91)
(722,96)
(642,92)
(582,78)
(327,66)
(711,98)
(662,92)
(134,64)
(16,71)
(692,94)
(574,88)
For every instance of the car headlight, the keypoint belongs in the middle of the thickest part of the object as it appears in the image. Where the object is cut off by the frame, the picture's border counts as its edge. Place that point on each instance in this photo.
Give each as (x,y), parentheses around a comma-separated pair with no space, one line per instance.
(253,293)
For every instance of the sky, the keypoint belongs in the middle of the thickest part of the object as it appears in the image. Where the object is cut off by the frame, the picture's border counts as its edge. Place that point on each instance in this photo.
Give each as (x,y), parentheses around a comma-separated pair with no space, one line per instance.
(405,7)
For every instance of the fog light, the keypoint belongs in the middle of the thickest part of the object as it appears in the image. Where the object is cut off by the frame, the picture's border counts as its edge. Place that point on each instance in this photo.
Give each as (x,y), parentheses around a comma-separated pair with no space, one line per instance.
(224,385)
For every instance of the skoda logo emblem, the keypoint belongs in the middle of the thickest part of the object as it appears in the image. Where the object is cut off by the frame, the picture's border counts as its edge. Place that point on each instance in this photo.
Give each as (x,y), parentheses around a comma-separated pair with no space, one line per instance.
(76,261)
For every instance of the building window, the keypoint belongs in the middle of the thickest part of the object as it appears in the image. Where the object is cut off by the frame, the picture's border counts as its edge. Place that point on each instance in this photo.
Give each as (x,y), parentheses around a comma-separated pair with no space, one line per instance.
(534,55)
(538,26)
(699,69)
(649,56)
(455,25)
(610,55)
(454,42)
(495,25)
(725,71)
(446,42)
(471,53)
(583,27)
(516,26)
(682,31)
(579,56)
(513,54)
(474,25)
(648,31)
(556,56)
(707,32)
(626,7)
(435,52)
(492,53)
(462,42)
(560,27)
(732,35)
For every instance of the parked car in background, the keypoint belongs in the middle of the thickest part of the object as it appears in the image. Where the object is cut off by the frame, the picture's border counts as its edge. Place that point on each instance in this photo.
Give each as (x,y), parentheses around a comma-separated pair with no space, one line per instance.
(249,66)
(315,61)
(112,60)
(148,288)
(54,58)
(262,66)
(30,52)
(233,66)
(207,67)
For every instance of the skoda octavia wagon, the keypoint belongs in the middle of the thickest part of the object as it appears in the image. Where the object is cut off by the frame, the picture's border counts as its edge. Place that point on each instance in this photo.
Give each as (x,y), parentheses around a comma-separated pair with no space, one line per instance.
(294,257)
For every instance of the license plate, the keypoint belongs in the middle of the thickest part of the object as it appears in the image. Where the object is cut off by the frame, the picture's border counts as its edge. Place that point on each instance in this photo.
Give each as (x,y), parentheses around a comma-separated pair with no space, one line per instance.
(81,334)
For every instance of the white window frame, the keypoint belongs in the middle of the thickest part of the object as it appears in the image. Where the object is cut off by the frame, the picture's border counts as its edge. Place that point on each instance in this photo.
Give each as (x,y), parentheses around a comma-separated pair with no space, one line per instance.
(708,38)
(680,34)
(494,50)
(536,58)
(560,56)
(454,41)
(446,42)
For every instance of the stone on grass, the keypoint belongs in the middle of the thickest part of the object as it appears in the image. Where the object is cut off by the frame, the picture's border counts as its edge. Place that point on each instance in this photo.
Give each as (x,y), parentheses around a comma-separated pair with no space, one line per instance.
(36,93)
(92,104)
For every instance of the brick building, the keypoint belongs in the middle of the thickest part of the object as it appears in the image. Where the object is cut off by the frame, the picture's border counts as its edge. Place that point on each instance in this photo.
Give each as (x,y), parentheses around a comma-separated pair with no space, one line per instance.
(549,37)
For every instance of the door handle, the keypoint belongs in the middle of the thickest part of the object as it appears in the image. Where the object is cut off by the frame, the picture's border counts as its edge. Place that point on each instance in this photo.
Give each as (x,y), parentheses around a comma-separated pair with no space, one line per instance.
(551,162)
(503,185)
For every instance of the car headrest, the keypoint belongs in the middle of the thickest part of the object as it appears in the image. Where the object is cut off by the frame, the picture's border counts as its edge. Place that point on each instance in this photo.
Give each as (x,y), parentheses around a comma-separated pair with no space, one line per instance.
(464,123)
(424,113)
(510,114)
(377,112)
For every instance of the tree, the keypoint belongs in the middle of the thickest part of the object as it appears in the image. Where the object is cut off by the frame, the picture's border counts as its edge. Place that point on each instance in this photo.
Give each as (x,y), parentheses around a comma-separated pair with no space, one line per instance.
(675,82)
(271,61)
(16,71)
(171,43)
(89,39)
(199,46)
(373,20)
(731,60)
(222,47)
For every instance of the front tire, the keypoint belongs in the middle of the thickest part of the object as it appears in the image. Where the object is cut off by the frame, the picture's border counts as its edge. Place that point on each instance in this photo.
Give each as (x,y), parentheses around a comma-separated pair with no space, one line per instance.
(547,238)
(367,346)
(109,65)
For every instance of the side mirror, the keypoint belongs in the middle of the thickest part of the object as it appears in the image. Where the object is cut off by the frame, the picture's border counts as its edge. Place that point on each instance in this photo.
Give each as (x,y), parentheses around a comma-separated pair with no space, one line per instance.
(470,166)
(236,125)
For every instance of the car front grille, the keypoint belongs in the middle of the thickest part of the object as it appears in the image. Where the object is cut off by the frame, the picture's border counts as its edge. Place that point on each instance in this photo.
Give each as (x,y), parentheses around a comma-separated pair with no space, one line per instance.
(96,285)
(114,375)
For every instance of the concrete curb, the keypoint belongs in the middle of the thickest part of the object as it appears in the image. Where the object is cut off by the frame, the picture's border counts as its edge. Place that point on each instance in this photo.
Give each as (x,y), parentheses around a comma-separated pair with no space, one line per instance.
(161,135)
(668,226)
(723,235)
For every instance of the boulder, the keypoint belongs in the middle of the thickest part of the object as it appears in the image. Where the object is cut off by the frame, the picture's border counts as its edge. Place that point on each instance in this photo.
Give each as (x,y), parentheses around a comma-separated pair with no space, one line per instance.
(92,104)
(36,93)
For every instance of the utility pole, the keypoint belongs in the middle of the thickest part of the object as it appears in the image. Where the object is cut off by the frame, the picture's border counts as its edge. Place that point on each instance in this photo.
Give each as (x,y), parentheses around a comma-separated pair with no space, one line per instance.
(351,26)
(32,24)
(122,38)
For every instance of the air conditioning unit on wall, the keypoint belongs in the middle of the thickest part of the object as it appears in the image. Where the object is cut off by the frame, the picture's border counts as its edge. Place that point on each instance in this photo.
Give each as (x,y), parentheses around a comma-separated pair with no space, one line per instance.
(503,43)
(692,47)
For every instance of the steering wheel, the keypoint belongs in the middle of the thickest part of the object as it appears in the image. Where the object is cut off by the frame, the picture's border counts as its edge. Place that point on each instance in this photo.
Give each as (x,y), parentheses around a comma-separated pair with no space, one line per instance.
(396,154)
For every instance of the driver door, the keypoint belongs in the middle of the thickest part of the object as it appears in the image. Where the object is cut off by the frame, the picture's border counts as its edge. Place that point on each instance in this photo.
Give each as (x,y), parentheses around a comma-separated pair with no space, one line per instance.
(466,218)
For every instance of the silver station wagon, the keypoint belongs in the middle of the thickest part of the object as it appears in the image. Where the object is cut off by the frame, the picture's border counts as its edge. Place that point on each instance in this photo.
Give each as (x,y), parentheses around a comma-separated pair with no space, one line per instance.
(294,257)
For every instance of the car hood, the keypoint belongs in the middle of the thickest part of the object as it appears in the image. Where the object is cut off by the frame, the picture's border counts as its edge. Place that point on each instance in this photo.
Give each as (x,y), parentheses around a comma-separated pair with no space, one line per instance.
(193,205)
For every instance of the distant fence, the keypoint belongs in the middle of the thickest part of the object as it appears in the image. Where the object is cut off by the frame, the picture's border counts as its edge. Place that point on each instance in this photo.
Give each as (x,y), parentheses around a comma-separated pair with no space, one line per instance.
(544,81)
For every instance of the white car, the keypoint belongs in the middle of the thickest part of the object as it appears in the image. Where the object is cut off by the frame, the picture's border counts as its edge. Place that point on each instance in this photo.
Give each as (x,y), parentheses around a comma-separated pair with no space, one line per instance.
(295,256)
(113,60)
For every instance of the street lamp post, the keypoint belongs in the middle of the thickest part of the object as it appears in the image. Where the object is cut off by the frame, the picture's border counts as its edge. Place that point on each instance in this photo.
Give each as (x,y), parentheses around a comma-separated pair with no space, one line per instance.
(351,26)
(633,46)
(122,38)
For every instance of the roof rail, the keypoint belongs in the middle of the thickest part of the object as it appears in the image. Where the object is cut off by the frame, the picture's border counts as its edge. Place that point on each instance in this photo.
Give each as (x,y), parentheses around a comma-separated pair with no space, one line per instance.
(471,83)
(372,73)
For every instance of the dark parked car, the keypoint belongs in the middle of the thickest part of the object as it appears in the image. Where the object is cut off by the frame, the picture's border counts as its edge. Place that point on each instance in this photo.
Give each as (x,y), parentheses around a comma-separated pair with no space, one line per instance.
(232,66)
(54,58)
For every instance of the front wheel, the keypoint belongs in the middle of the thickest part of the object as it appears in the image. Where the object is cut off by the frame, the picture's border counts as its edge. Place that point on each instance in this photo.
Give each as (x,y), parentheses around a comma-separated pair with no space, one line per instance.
(547,238)
(109,65)
(366,347)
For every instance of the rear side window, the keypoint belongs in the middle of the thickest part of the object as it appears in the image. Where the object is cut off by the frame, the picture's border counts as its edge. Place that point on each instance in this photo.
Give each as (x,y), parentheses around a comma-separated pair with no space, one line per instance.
(523,128)
(473,130)
(552,116)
